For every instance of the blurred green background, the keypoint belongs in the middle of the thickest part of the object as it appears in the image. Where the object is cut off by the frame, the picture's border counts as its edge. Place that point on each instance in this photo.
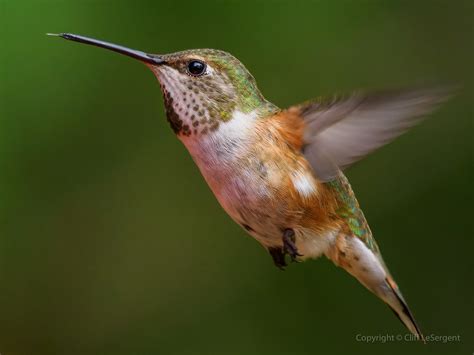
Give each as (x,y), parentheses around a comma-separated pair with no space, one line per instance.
(110,240)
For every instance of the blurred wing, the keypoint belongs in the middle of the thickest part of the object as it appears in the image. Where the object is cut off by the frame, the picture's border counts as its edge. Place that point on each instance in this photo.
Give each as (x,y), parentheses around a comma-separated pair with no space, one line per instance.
(341,131)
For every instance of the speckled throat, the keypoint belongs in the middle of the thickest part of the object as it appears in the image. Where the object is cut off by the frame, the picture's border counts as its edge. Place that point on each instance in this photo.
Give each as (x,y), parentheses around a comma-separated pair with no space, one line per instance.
(198,109)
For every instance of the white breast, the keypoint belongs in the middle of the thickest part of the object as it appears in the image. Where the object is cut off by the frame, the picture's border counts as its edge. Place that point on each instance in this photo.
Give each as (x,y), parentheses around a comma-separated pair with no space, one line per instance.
(217,154)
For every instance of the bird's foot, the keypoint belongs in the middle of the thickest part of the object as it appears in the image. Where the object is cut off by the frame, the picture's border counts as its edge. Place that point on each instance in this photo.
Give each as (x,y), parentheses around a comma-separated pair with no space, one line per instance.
(289,248)
(289,245)
(278,257)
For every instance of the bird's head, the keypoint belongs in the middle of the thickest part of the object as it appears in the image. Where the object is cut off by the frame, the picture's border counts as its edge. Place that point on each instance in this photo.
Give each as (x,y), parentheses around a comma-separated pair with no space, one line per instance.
(201,87)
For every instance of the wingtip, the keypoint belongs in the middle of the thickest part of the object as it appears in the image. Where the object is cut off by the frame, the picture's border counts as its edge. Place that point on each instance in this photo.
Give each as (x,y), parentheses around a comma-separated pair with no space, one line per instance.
(444,92)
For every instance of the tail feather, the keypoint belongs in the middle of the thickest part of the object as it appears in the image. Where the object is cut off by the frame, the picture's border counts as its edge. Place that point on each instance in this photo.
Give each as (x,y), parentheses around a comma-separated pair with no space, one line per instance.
(399,306)
(368,267)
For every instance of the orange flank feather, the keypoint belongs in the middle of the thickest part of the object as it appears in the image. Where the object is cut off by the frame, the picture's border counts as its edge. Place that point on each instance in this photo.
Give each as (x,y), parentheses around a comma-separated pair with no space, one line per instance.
(304,203)
(291,126)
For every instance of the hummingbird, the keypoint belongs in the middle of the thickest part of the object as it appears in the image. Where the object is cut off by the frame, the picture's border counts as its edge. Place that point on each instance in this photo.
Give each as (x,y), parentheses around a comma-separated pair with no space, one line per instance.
(278,172)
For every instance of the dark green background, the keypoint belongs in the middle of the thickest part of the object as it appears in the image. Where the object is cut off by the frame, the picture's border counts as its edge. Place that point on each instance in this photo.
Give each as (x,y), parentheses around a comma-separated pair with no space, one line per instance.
(111,242)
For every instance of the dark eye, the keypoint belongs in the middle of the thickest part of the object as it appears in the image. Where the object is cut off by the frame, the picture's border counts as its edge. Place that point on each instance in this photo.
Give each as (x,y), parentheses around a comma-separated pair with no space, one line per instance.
(196,67)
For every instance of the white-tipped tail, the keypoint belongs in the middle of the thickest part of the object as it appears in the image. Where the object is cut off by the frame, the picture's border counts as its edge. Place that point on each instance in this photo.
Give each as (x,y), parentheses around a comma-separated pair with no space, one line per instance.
(350,253)
(394,299)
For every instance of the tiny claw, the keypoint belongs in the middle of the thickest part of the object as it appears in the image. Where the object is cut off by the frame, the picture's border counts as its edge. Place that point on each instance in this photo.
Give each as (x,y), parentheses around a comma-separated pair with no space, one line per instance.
(289,245)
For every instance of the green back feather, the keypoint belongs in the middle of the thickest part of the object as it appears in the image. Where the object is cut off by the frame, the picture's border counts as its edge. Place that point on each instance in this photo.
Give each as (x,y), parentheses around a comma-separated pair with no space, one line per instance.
(350,211)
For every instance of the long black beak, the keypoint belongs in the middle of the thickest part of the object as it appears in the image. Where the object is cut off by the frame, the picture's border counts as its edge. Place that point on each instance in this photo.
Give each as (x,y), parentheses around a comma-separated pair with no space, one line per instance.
(144,57)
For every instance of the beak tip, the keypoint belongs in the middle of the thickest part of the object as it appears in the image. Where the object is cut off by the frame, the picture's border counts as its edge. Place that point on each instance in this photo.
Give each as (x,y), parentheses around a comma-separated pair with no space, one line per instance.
(62,35)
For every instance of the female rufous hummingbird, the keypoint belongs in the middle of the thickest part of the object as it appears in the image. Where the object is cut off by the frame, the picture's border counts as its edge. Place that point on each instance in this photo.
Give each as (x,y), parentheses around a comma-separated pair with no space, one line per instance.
(278,172)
